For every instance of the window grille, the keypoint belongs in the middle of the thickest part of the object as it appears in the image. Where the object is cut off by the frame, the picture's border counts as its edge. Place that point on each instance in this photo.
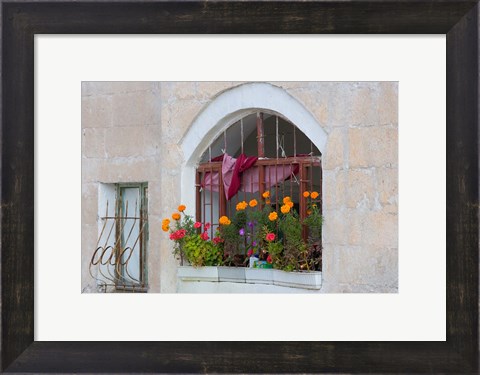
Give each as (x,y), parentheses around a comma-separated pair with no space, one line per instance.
(288,164)
(119,262)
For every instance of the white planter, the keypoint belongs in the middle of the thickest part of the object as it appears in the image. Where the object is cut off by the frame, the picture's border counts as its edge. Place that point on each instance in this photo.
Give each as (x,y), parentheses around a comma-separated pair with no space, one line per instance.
(306,280)
(259,275)
(231,274)
(189,273)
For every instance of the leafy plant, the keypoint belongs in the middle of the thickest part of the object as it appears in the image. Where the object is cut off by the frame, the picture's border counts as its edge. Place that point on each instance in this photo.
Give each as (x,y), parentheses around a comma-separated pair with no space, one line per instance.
(200,252)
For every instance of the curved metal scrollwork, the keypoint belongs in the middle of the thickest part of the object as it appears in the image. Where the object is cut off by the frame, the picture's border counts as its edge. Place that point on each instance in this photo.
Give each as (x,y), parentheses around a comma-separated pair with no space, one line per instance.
(110,262)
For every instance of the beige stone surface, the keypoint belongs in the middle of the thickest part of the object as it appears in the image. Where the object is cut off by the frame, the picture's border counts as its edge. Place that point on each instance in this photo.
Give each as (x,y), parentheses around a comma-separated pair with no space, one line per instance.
(131,132)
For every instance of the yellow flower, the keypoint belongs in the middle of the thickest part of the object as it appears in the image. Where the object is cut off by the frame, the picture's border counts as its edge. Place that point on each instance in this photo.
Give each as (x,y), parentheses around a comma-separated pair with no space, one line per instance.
(306,194)
(314,195)
(224,220)
(241,205)
(289,204)
(285,209)
(266,195)
(176,216)
(165,228)
(286,200)
(314,205)
(253,203)
(182,208)
(273,216)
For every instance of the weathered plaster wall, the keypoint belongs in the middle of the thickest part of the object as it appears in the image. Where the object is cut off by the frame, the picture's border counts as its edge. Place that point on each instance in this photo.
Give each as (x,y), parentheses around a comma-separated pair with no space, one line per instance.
(132,132)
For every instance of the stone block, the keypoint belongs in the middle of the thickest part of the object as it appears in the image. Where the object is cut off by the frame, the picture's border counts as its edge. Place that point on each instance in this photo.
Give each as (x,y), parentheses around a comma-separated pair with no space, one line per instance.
(369,268)
(334,189)
(177,118)
(96,111)
(128,141)
(134,109)
(354,229)
(117,170)
(335,227)
(334,154)
(373,146)
(172,91)
(93,143)
(388,103)
(360,190)
(206,91)
(93,88)
(380,229)
(387,185)
(89,203)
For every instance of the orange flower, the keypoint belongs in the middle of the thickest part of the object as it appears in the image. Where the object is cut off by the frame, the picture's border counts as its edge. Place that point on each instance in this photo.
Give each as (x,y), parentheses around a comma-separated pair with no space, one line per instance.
(165,222)
(253,203)
(285,209)
(176,216)
(306,194)
(286,200)
(182,208)
(309,212)
(267,201)
(314,195)
(289,204)
(314,205)
(165,228)
(266,195)
(224,220)
(273,216)
(241,205)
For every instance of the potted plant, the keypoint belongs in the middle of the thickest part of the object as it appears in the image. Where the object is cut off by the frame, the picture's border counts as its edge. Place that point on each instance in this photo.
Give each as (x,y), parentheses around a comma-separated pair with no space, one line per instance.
(193,245)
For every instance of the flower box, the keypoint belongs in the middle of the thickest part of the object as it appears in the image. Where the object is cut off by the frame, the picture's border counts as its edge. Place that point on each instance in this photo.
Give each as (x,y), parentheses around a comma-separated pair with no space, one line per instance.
(231,274)
(259,276)
(188,273)
(306,280)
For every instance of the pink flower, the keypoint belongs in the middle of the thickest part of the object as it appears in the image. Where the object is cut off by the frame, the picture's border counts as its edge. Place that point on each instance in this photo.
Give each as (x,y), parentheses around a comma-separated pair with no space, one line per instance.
(197,224)
(270,237)
(204,236)
(269,259)
(207,226)
(250,253)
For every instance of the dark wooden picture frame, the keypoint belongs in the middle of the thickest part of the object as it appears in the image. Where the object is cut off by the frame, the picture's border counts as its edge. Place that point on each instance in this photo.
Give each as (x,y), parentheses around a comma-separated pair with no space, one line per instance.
(22,20)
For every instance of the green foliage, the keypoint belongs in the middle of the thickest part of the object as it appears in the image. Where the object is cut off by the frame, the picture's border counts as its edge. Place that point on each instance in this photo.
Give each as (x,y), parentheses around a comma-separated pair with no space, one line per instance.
(200,252)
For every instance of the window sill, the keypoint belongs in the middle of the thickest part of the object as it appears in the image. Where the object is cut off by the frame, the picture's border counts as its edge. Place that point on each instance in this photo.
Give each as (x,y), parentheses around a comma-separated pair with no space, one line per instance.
(301,280)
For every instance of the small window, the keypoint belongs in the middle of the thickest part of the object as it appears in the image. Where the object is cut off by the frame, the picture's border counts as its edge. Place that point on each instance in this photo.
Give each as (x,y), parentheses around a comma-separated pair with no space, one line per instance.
(121,252)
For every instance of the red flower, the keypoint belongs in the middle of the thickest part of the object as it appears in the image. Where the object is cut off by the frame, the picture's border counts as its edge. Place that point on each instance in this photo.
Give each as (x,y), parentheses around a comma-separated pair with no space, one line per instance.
(250,253)
(204,236)
(207,226)
(197,224)
(178,235)
(270,237)
(217,240)
(269,259)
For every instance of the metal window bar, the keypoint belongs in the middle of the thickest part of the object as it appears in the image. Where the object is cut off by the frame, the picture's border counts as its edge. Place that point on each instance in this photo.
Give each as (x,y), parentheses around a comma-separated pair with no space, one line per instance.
(303,180)
(111,261)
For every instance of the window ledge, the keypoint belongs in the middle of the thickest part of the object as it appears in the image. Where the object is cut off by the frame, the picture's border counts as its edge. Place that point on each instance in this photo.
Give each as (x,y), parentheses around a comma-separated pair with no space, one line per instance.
(303,280)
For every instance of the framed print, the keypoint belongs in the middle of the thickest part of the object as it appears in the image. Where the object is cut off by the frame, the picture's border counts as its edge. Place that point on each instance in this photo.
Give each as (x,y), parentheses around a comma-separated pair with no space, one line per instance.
(22,22)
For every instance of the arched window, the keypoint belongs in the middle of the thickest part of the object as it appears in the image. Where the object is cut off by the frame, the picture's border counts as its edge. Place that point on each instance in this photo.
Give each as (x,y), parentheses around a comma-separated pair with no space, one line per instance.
(260,155)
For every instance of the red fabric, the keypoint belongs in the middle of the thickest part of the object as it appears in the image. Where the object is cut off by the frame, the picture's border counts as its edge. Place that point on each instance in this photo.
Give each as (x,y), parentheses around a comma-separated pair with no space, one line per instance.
(242,175)
(241,165)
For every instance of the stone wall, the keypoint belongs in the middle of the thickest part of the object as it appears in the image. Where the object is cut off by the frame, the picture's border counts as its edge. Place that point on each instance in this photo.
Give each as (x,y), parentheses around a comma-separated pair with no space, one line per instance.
(131,132)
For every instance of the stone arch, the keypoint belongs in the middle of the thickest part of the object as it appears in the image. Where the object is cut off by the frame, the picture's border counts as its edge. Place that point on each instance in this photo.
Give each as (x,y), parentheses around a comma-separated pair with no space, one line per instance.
(227,108)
